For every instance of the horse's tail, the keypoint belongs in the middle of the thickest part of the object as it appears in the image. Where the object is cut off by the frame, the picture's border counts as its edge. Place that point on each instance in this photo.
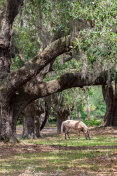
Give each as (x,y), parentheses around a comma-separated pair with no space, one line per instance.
(62,126)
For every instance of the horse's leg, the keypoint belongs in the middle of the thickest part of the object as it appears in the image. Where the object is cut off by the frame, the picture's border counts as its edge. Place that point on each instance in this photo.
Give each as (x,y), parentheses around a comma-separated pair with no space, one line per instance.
(65,133)
(88,134)
(85,135)
(68,133)
(78,133)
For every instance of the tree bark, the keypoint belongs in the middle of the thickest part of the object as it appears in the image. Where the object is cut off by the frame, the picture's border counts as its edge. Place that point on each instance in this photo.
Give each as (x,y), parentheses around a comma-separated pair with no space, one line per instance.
(110,97)
(37,126)
(4,60)
(62,115)
(7,16)
(6,125)
(29,122)
(6,22)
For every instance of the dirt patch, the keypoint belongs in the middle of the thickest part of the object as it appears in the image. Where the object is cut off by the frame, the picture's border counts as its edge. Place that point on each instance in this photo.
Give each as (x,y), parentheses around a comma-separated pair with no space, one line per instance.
(103,130)
(47,130)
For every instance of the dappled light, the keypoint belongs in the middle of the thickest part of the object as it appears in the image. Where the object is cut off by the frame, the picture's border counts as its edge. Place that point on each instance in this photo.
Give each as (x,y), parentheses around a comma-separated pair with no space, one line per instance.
(53,154)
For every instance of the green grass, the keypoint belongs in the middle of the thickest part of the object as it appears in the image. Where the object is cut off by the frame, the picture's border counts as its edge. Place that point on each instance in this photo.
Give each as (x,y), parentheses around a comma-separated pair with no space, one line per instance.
(67,157)
(57,140)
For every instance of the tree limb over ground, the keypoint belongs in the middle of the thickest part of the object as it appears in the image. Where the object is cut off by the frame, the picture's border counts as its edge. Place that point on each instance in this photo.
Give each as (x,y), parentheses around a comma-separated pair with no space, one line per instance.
(19,77)
(34,89)
(67,80)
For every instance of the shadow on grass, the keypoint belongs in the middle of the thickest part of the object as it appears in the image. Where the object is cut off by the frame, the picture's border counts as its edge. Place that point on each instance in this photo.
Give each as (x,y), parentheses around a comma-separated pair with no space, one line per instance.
(83,147)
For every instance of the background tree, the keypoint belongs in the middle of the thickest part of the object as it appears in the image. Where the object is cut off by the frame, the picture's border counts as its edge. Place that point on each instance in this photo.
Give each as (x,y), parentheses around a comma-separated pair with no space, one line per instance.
(31,120)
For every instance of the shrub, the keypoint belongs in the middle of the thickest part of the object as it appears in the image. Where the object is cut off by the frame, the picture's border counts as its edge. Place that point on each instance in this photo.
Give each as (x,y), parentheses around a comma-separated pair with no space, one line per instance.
(93,122)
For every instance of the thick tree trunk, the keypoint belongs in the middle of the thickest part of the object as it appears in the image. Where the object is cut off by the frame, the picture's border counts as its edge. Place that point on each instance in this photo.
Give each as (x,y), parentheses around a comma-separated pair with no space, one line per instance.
(110,118)
(59,123)
(7,16)
(7,119)
(110,98)
(37,126)
(61,116)
(29,122)
(6,111)
(28,127)
(6,125)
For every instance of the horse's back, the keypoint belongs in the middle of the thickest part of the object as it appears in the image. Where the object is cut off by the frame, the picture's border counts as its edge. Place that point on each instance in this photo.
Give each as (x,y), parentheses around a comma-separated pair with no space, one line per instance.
(71,123)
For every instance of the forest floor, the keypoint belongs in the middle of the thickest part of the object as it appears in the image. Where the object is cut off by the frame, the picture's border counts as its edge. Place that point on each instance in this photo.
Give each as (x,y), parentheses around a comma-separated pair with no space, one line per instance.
(52,155)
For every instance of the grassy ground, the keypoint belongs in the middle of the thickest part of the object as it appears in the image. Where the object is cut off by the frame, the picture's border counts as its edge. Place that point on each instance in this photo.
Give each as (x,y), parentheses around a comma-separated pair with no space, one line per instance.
(53,155)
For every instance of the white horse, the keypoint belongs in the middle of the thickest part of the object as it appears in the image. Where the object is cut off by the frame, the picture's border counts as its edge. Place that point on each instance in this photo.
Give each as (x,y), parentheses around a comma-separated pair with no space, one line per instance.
(76,125)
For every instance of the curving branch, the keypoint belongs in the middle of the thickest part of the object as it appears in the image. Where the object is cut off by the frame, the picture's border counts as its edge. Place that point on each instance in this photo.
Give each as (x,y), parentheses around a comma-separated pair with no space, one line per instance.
(18,78)
(34,89)
(67,80)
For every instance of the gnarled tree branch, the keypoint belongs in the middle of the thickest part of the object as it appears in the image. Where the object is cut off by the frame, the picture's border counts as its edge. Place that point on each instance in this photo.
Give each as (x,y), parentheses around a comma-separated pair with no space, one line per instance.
(16,79)
(33,89)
